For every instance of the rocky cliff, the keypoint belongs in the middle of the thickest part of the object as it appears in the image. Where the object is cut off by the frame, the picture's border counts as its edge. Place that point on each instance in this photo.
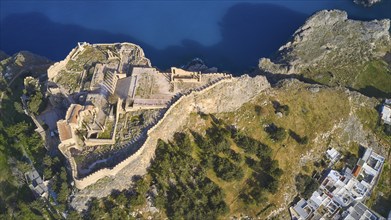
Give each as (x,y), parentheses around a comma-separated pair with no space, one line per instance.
(332,49)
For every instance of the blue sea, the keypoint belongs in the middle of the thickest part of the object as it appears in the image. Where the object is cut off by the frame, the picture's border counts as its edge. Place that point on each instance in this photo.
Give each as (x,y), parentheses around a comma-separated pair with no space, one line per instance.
(231,35)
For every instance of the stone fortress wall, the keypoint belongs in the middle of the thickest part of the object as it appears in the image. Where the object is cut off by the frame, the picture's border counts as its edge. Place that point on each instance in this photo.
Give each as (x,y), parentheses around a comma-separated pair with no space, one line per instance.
(56,67)
(99,141)
(140,51)
(196,99)
(94,177)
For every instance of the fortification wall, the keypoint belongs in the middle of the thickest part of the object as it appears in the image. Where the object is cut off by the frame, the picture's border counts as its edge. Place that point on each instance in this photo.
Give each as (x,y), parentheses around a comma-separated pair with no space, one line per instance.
(140,51)
(225,96)
(92,178)
(187,80)
(222,99)
(96,141)
(56,67)
(218,74)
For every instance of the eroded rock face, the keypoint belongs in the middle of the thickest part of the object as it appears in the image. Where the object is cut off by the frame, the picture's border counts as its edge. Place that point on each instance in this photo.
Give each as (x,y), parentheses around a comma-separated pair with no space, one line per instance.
(329,39)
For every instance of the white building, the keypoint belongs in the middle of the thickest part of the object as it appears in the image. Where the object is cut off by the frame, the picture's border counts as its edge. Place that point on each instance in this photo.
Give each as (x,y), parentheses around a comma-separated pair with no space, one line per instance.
(344,191)
(333,154)
(386,114)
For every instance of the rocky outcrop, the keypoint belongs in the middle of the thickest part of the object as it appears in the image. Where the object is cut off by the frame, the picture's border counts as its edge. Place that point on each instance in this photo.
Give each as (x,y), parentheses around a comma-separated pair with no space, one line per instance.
(3,55)
(223,97)
(332,49)
(12,66)
(330,39)
(366,3)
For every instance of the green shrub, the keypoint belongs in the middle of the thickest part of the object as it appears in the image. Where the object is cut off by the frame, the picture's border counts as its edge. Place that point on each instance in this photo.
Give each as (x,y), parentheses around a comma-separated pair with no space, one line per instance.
(227,170)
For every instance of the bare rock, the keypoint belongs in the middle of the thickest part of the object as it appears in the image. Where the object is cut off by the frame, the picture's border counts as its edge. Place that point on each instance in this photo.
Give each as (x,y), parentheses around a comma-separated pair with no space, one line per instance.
(330,44)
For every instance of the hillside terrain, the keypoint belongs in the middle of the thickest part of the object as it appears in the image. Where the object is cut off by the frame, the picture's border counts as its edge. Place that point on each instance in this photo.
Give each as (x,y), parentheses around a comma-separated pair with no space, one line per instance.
(333,50)
(243,148)
(21,147)
(324,117)
(24,61)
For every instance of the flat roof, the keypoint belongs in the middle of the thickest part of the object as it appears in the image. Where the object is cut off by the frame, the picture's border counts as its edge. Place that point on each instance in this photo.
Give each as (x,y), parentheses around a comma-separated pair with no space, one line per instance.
(64,130)
(356,170)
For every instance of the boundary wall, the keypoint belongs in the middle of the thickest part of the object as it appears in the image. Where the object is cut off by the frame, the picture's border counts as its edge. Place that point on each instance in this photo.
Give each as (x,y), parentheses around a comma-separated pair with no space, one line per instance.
(56,67)
(94,177)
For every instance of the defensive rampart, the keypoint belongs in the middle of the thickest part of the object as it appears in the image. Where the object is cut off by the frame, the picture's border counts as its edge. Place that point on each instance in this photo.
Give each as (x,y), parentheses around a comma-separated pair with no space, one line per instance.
(92,178)
(97,141)
(56,67)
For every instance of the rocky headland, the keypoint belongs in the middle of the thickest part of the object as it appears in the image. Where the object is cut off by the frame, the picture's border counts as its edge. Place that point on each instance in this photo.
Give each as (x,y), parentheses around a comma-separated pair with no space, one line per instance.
(21,62)
(334,50)
(321,77)
(328,49)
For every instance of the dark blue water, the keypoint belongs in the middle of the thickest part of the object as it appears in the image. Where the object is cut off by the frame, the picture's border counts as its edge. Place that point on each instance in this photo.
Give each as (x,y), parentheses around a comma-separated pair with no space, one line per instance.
(231,35)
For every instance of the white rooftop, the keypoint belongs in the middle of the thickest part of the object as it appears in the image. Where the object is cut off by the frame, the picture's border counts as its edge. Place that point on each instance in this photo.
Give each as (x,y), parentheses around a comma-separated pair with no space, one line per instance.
(332,153)
(386,114)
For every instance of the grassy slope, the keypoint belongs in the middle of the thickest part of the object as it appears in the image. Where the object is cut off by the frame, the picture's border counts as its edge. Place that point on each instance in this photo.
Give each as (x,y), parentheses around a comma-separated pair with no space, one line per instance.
(311,114)
(372,78)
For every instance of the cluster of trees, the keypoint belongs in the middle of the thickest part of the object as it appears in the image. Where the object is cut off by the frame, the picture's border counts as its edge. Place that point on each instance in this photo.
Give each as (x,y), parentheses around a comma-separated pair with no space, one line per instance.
(177,182)
(26,147)
(217,153)
(305,185)
(18,145)
(278,107)
(32,90)
(184,190)
(275,133)
(252,146)
(54,171)
(26,141)
(266,172)
(227,170)
(118,205)
(350,159)
(21,148)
